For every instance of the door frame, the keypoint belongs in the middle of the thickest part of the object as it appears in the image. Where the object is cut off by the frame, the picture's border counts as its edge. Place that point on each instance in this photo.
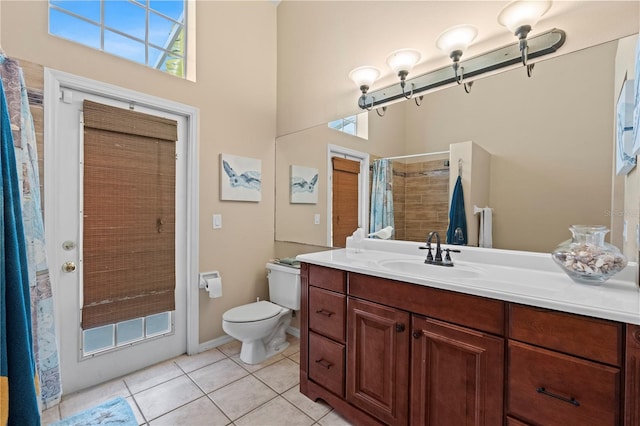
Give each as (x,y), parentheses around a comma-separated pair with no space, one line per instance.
(53,80)
(363,186)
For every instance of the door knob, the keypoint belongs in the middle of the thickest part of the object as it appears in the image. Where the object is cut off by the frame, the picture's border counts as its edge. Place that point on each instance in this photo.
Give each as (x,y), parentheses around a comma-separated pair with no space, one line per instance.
(69,267)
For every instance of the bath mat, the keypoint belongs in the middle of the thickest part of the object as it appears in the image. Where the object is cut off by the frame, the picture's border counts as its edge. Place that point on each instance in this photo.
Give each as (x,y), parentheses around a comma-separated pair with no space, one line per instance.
(114,412)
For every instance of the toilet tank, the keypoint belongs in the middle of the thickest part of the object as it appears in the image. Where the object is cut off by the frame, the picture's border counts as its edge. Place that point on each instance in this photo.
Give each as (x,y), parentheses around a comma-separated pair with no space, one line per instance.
(284,285)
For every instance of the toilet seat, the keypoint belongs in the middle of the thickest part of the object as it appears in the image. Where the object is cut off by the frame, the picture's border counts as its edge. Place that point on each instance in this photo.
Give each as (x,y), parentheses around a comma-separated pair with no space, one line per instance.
(252,312)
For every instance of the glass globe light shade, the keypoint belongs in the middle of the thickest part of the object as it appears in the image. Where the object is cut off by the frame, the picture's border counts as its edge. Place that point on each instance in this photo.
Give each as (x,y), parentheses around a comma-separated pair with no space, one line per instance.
(364,76)
(403,60)
(523,12)
(456,38)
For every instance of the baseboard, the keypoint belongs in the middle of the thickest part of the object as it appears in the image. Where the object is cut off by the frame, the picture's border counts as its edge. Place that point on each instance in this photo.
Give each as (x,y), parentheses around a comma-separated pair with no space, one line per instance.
(218,341)
(295,332)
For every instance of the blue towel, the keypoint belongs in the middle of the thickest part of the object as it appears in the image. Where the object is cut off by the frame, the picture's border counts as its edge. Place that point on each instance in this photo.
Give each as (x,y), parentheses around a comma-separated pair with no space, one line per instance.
(457,216)
(18,392)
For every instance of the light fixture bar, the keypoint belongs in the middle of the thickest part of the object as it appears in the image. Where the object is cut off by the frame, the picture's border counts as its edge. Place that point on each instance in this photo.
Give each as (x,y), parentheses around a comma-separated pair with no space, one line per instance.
(539,45)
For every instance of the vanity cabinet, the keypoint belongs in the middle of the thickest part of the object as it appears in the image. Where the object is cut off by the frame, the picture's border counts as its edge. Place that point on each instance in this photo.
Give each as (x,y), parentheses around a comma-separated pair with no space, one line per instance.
(377,360)
(382,351)
(563,368)
(632,376)
(456,375)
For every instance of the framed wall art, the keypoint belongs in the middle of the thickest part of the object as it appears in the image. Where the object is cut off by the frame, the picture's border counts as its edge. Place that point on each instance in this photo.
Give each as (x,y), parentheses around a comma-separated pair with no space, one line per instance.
(625,159)
(304,185)
(240,178)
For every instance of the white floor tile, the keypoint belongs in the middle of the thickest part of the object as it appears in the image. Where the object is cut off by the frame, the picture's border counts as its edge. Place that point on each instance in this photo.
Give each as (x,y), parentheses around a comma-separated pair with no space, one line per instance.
(315,410)
(193,362)
(217,375)
(200,412)
(166,397)
(152,376)
(242,396)
(280,376)
(277,412)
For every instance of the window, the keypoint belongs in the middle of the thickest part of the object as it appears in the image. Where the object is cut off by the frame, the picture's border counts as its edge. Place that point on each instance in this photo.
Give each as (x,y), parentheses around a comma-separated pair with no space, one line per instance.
(150,32)
(356,125)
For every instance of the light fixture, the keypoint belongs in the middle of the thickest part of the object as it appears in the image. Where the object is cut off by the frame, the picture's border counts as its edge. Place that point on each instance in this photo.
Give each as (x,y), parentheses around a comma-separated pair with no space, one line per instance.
(541,44)
(364,77)
(454,41)
(402,62)
(519,17)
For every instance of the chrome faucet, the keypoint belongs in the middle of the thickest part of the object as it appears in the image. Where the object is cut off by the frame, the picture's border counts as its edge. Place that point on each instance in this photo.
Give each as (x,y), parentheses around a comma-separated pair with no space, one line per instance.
(437,260)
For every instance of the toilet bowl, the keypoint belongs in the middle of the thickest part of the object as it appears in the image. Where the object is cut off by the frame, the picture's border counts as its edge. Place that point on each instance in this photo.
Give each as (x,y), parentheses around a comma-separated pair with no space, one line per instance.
(261,326)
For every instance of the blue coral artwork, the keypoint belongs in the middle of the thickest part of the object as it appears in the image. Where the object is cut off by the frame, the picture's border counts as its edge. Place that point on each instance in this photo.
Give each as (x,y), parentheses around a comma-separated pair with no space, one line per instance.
(240,178)
(304,185)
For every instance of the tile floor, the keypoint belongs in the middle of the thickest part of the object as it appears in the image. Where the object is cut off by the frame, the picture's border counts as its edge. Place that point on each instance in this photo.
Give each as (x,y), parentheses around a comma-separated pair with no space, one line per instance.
(211,388)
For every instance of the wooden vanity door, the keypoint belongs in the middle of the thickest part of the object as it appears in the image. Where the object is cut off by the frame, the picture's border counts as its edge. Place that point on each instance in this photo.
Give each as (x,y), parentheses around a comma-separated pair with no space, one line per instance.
(377,354)
(457,375)
(632,377)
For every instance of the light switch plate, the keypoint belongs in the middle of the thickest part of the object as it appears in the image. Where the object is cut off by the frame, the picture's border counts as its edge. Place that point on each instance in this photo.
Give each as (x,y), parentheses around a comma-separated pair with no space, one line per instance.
(316,219)
(624,231)
(217,221)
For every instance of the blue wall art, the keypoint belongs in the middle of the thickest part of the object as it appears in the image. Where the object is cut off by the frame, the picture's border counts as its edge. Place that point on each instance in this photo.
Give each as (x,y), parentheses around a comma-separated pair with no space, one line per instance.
(304,185)
(240,178)
(625,159)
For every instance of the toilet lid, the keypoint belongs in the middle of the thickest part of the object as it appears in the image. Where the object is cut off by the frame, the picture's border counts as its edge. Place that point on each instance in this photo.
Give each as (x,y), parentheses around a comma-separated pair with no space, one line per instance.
(252,312)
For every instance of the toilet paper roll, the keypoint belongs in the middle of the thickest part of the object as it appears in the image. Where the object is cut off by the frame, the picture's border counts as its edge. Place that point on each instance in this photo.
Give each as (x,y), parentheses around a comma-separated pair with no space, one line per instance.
(214,287)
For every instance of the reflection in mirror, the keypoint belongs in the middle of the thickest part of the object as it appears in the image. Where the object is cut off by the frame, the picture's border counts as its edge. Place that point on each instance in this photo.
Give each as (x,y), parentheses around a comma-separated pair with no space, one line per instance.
(550,138)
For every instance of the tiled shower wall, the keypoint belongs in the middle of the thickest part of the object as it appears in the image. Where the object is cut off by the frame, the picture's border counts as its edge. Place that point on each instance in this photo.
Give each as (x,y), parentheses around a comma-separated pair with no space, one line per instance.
(420,199)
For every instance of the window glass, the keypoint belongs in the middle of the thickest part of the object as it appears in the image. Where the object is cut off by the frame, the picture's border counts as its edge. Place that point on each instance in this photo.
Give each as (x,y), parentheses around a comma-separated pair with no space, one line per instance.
(147,32)
(161,30)
(172,9)
(126,17)
(66,26)
(158,324)
(124,47)
(86,9)
(130,331)
(99,338)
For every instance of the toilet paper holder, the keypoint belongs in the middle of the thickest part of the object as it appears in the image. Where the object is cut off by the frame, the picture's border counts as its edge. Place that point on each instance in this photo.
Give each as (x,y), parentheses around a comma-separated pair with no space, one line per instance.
(204,276)
(211,282)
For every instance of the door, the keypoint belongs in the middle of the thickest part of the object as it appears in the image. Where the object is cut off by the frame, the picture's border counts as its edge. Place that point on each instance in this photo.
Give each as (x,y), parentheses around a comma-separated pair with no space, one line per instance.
(345,199)
(94,356)
(378,360)
(457,375)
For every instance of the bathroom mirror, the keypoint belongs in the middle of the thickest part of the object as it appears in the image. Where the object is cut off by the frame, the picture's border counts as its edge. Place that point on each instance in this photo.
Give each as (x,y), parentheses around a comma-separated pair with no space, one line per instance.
(550,138)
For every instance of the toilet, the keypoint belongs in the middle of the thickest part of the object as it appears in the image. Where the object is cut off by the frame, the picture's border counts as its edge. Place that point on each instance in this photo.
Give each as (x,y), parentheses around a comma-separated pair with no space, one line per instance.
(261,326)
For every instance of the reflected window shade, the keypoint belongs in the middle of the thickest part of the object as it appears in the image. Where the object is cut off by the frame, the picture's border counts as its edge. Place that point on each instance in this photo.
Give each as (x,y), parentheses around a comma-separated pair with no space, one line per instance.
(128,215)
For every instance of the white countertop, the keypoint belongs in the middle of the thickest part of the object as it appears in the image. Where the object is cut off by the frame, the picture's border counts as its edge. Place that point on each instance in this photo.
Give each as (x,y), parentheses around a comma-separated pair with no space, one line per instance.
(513,276)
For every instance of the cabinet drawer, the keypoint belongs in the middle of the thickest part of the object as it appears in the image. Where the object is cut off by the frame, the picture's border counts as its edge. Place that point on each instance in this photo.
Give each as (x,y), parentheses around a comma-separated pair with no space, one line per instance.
(591,338)
(326,363)
(463,309)
(327,313)
(550,388)
(515,422)
(327,278)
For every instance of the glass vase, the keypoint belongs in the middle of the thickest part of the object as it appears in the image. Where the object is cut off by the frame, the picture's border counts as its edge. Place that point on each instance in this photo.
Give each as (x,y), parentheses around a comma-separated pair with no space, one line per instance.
(586,257)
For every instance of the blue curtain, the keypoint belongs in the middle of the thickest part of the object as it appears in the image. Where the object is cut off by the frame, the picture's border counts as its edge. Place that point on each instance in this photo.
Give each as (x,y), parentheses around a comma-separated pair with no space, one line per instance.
(41,297)
(381,195)
(18,378)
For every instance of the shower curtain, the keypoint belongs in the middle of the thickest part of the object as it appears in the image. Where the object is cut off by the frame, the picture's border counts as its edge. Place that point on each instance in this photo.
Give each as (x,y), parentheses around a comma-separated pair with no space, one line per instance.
(381,195)
(39,285)
(18,377)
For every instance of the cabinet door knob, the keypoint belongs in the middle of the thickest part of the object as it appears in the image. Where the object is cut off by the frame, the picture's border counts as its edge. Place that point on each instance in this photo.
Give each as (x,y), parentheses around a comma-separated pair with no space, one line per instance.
(400,328)
(416,334)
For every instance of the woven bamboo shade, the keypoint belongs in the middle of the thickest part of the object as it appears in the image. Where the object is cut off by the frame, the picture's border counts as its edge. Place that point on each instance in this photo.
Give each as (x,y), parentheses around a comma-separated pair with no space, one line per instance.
(129,215)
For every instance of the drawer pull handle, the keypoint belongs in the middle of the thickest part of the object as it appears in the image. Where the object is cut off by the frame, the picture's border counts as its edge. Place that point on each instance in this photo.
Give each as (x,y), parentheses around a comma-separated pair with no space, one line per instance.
(323,312)
(571,400)
(323,362)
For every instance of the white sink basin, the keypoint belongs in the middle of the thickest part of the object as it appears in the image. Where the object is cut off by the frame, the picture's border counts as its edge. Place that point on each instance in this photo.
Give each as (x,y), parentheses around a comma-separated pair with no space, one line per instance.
(424,270)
